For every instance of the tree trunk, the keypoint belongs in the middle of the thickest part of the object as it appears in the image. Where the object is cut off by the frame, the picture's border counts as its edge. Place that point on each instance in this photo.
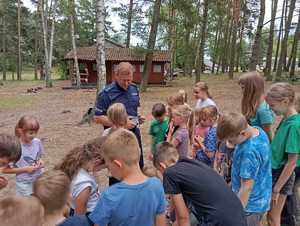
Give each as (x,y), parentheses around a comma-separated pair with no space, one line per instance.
(239,48)
(100,54)
(172,35)
(268,68)
(151,45)
(45,38)
(216,44)
(236,16)
(187,51)
(129,23)
(284,41)
(19,64)
(292,60)
(72,30)
(199,66)
(256,46)
(52,36)
(225,42)
(279,37)
(4,57)
(36,41)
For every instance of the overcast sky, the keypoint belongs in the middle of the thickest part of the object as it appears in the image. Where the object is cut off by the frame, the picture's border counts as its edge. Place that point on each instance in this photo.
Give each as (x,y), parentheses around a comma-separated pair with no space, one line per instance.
(116,22)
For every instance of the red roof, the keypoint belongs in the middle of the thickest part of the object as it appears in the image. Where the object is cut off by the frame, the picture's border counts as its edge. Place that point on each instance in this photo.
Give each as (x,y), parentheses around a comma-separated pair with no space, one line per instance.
(118,54)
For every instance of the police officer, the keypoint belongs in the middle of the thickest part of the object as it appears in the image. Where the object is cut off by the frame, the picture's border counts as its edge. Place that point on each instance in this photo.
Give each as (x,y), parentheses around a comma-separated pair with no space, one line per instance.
(122,90)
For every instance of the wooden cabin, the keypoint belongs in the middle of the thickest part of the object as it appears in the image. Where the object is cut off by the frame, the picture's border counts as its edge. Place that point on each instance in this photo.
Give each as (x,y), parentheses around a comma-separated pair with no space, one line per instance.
(116,53)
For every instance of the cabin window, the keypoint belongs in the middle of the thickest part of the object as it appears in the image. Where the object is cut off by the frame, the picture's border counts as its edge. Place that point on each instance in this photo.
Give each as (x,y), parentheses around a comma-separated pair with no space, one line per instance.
(156,68)
(82,67)
(134,67)
(94,67)
(142,68)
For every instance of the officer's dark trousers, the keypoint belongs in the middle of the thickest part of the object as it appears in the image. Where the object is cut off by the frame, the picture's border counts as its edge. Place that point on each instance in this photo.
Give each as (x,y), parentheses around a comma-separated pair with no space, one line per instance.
(137,133)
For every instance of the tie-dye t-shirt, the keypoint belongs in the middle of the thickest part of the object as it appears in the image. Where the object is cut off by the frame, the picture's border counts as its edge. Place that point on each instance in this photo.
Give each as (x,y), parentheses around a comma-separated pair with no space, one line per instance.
(252,160)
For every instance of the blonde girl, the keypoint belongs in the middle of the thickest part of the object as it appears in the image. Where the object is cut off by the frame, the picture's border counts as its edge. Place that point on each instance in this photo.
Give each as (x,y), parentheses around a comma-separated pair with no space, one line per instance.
(180,139)
(202,95)
(80,164)
(117,115)
(207,146)
(285,147)
(254,106)
(30,165)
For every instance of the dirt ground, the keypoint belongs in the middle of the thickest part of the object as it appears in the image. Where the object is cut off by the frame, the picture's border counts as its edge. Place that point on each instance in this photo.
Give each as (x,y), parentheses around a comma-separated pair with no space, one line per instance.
(59,110)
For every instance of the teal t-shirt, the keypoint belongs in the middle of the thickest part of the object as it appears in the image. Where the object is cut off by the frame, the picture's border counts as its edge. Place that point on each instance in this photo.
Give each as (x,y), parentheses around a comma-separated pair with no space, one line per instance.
(286,141)
(158,131)
(263,116)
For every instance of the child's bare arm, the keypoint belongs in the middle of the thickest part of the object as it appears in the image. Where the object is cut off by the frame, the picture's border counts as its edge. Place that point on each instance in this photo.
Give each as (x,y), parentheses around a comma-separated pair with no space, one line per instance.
(81,201)
(182,212)
(27,169)
(245,190)
(160,220)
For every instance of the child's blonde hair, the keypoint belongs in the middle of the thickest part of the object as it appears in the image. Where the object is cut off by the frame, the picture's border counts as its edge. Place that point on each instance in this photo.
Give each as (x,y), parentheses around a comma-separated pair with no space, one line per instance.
(122,145)
(280,91)
(253,89)
(230,125)
(177,99)
(184,95)
(77,157)
(183,111)
(19,210)
(52,188)
(202,86)
(26,123)
(117,114)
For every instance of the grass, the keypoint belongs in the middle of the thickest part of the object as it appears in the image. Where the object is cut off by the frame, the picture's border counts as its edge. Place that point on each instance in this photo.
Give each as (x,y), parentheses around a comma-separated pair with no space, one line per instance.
(13,102)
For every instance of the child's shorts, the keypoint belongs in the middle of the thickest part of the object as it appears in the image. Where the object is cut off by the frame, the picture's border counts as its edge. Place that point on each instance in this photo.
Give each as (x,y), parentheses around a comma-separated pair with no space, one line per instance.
(287,189)
(24,188)
(253,219)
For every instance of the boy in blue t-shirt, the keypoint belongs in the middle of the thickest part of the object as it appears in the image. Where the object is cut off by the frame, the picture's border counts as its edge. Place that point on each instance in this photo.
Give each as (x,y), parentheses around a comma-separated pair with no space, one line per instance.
(251,174)
(137,199)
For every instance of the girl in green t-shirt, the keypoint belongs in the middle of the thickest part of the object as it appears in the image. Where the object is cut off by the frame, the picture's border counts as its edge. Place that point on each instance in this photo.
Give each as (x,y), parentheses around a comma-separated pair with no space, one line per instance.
(254,106)
(285,147)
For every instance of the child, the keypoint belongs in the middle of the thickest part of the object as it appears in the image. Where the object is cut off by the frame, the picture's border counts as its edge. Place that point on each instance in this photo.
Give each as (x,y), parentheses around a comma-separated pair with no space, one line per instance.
(212,201)
(158,126)
(254,106)
(180,139)
(79,164)
(251,177)
(183,93)
(117,115)
(202,96)
(19,210)
(285,147)
(29,167)
(137,199)
(10,152)
(207,146)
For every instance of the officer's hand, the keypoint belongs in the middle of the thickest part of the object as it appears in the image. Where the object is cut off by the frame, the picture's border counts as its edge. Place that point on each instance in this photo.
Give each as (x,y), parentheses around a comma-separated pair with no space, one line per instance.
(142,119)
(3,182)
(130,124)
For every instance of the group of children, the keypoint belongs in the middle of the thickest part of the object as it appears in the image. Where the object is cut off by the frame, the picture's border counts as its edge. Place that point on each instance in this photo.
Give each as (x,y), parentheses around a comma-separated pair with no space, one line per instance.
(209,167)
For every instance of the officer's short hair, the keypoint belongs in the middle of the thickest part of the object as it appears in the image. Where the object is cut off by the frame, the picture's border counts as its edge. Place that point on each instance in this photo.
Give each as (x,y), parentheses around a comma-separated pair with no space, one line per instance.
(124,66)
(122,145)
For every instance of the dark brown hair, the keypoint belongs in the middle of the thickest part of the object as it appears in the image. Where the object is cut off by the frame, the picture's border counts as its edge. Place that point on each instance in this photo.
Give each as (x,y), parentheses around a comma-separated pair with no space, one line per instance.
(27,123)
(78,156)
(158,110)
(10,148)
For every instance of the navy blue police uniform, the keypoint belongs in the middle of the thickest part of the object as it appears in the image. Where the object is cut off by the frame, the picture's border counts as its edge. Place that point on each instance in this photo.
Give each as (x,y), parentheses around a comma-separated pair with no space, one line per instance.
(113,93)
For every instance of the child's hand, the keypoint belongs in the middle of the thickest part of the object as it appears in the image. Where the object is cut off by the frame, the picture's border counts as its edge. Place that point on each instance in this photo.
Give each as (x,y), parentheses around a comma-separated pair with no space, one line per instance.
(171,127)
(142,119)
(3,182)
(40,163)
(130,124)
(198,142)
(31,169)
(150,157)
